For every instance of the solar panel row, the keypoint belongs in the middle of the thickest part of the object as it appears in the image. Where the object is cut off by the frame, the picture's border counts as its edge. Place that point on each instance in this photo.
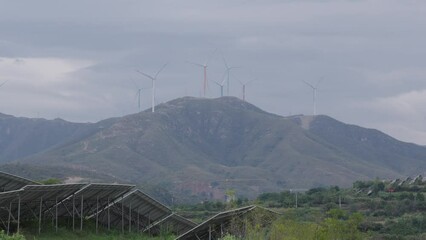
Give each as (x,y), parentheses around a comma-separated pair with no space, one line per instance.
(109,205)
(220,224)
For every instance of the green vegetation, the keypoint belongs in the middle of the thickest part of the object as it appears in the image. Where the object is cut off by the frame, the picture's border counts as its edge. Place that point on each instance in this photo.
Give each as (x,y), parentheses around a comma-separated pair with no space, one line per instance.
(29,231)
(261,226)
(369,210)
(4,236)
(64,234)
(89,232)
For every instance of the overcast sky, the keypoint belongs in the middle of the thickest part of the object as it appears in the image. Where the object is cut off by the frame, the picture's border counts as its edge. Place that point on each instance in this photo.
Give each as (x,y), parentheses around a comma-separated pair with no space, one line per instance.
(76,60)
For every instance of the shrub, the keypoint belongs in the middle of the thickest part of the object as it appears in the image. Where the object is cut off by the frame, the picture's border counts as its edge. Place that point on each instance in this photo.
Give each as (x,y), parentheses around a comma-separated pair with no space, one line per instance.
(15,236)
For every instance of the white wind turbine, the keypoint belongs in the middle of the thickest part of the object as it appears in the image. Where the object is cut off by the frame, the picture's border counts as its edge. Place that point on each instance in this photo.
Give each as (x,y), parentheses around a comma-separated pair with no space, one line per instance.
(204,66)
(153,78)
(228,69)
(314,93)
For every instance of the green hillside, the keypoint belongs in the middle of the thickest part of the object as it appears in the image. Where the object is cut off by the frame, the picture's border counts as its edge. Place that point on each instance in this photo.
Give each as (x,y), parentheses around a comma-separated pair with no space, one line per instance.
(197,148)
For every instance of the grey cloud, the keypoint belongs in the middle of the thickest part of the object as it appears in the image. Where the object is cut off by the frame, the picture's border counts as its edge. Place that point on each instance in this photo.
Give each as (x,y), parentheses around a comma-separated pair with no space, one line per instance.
(366,50)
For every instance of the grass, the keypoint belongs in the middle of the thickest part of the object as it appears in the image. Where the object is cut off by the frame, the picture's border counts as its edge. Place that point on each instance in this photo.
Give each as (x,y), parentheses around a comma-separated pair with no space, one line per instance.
(89,232)
(66,234)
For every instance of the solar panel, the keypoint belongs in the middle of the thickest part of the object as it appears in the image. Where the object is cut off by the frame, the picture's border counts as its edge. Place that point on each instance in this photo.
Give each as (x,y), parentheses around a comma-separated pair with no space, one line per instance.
(141,212)
(174,223)
(10,182)
(202,230)
(49,195)
(95,196)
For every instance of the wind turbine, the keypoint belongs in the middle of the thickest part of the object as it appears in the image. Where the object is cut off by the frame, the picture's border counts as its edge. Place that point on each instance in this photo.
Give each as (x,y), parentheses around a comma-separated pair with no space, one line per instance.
(204,66)
(228,69)
(153,78)
(221,84)
(244,84)
(138,95)
(314,93)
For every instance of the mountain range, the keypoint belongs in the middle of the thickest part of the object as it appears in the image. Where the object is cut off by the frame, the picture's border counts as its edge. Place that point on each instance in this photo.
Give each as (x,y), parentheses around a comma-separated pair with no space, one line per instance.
(198,148)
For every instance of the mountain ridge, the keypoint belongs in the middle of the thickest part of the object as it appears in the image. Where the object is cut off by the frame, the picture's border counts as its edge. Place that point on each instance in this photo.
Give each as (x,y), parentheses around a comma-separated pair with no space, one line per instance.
(198,148)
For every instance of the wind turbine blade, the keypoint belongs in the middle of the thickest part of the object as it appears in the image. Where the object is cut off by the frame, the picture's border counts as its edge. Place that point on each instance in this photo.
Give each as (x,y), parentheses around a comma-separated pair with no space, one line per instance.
(196,64)
(137,93)
(161,69)
(210,57)
(224,77)
(319,81)
(310,85)
(220,85)
(226,64)
(3,83)
(146,75)
(253,80)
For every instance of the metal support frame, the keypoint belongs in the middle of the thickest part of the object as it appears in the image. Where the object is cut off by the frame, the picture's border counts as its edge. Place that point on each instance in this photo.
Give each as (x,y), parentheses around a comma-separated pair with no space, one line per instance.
(65,207)
(19,212)
(138,220)
(97,213)
(122,217)
(149,223)
(40,215)
(73,212)
(48,209)
(31,210)
(4,224)
(10,215)
(81,213)
(221,230)
(130,217)
(157,223)
(56,214)
(109,217)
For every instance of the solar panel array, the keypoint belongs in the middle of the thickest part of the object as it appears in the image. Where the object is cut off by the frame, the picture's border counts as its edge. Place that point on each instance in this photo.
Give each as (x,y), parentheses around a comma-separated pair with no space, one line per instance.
(109,205)
(117,206)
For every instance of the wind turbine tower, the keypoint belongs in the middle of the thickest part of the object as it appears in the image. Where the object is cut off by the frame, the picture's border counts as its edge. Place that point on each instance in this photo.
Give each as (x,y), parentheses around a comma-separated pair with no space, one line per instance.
(153,79)
(138,94)
(228,69)
(204,66)
(244,84)
(314,94)
(221,85)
